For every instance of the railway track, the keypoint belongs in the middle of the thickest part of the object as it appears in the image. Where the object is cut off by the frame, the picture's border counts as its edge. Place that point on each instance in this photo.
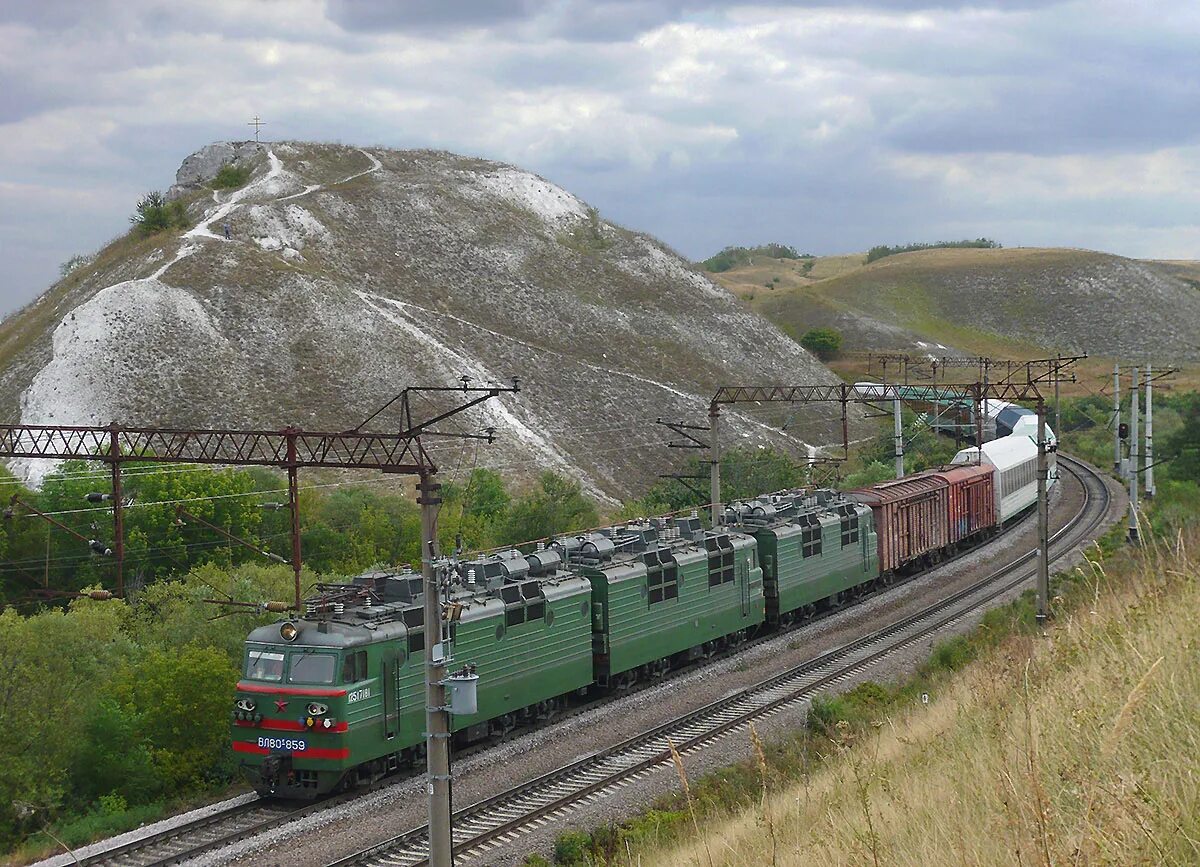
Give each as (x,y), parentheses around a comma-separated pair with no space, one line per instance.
(189,840)
(503,818)
(496,820)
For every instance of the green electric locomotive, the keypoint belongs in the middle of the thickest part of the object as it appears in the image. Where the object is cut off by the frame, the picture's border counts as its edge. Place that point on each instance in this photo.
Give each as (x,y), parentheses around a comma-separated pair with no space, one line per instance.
(817,549)
(336,698)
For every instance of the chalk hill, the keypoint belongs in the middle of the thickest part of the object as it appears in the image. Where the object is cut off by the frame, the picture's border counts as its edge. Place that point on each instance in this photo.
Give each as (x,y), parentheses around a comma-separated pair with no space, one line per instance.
(350,273)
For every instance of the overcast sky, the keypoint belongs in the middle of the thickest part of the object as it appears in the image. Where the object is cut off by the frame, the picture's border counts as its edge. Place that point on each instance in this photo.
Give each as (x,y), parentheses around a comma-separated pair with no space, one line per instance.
(827,126)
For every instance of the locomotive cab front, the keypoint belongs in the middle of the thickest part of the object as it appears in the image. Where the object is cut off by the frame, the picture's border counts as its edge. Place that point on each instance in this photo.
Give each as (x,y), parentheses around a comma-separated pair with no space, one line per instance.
(290,722)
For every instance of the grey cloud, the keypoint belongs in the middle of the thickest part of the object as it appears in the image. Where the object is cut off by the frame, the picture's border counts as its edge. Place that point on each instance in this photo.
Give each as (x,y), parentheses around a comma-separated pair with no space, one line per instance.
(593,20)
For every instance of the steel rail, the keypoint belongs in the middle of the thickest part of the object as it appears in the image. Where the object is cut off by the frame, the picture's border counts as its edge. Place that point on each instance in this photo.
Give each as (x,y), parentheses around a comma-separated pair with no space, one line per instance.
(190,839)
(499,819)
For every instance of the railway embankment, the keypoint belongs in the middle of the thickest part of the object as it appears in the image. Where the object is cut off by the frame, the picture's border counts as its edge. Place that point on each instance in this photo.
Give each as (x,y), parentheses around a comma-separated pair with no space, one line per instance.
(1008,744)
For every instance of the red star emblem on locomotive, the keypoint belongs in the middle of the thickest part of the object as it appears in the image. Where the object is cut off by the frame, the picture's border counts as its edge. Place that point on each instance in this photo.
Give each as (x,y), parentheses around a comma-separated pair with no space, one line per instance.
(281,704)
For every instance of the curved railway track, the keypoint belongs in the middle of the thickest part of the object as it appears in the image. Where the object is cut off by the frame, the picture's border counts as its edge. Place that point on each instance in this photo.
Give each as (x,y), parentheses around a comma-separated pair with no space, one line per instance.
(497,820)
(505,817)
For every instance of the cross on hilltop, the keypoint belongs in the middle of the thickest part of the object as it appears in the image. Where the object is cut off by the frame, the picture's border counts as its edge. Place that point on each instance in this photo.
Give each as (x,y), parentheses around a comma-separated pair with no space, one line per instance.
(256,123)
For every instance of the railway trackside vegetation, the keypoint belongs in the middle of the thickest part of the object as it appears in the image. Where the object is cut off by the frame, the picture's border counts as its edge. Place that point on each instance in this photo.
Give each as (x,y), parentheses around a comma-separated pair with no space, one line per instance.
(1077,747)
(1074,748)
(109,706)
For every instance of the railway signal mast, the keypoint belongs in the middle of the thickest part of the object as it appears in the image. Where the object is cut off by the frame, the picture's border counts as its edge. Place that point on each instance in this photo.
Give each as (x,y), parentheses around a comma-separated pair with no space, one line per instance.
(292,449)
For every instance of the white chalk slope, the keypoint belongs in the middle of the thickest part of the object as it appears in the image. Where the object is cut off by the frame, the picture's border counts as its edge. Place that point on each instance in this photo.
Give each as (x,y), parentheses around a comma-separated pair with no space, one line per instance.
(349,274)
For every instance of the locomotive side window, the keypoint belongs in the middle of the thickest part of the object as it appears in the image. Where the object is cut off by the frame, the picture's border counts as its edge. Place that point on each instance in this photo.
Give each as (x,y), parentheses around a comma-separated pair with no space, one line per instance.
(849,529)
(354,667)
(810,541)
(312,668)
(663,583)
(720,560)
(264,665)
(416,643)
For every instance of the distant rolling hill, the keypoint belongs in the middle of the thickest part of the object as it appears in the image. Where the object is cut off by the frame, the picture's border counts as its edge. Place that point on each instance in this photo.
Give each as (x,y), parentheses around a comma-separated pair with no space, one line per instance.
(1001,302)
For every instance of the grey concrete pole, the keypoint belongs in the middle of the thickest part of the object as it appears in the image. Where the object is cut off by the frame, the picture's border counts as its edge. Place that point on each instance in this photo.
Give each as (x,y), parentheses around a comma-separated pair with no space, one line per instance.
(437,719)
(898,436)
(1057,404)
(1134,399)
(1043,519)
(714,424)
(1148,481)
(1117,419)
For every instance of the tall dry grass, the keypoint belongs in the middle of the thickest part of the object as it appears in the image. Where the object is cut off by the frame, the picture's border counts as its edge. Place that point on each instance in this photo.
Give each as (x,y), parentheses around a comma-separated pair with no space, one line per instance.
(1080,748)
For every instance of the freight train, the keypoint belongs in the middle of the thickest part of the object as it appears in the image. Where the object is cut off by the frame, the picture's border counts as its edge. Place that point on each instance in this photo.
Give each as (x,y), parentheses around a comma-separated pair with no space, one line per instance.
(336,698)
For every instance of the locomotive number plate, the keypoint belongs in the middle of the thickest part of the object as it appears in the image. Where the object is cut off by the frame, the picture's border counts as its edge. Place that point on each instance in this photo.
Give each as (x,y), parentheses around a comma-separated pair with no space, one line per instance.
(295,745)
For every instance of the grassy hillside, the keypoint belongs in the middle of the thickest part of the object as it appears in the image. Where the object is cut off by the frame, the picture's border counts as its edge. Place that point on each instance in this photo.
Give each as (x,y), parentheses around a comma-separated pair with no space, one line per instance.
(1009,302)
(1077,748)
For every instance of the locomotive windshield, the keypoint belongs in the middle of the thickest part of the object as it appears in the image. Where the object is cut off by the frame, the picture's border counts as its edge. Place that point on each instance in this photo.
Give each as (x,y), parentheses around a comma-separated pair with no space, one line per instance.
(307,667)
(264,665)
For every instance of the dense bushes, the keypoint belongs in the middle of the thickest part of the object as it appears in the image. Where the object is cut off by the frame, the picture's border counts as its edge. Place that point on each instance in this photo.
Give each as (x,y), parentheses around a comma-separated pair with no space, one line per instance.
(108,706)
(825,343)
(113,709)
(883,250)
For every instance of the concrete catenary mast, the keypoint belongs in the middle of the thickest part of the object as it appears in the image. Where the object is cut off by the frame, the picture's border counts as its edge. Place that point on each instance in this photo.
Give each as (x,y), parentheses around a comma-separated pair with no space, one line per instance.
(1149,480)
(1117,419)
(1134,398)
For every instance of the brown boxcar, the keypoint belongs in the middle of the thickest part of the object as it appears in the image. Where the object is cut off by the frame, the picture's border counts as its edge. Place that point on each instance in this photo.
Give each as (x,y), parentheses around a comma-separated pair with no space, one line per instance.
(972,499)
(910,518)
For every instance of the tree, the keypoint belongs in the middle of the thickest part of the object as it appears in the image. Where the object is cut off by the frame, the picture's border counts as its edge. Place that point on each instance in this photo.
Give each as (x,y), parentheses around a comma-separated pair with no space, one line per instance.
(825,343)
(871,474)
(174,694)
(155,214)
(555,506)
(1183,446)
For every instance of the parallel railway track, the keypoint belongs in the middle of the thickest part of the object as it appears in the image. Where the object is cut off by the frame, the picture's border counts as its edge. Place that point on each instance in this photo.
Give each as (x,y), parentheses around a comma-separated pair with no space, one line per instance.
(503,818)
(500,819)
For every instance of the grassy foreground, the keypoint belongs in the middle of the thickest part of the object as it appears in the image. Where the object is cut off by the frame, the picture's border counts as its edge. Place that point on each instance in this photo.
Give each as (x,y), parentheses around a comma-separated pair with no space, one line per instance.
(1080,747)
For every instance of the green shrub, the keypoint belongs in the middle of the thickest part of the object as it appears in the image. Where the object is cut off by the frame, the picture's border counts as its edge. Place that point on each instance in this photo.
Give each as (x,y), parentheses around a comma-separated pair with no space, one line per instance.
(822,342)
(155,214)
(231,176)
(572,848)
(76,261)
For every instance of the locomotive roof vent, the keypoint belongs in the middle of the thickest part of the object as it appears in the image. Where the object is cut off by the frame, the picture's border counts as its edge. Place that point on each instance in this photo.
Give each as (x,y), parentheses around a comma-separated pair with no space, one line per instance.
(513,564)
(543,561)
(597,547)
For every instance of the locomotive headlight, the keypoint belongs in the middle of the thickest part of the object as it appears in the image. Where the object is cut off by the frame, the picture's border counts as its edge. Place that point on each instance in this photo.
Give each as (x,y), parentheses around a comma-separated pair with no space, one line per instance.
(288,632)
(327,722)
(317,709)
(246,704)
